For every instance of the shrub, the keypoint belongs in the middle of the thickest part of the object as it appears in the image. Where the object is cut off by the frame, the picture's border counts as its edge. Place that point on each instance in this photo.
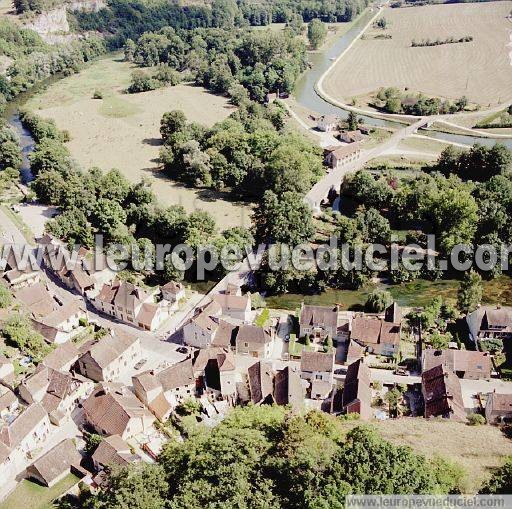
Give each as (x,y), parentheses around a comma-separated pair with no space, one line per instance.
(98,94)
(476,419)
(5,297)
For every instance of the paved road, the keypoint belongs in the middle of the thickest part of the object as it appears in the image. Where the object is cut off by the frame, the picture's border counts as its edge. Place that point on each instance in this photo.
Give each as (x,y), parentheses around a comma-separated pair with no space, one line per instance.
(334,178)
(9,232)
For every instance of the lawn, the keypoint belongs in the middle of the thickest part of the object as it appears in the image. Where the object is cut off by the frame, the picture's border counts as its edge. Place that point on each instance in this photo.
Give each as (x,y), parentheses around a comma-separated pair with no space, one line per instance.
(122,130)
(263,318)
(29,495)
(480,70)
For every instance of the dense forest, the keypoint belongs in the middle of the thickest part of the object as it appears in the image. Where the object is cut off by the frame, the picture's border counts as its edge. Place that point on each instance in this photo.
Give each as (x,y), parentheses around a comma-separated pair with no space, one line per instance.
(219,58)
(129,19)
(464,198)
(33,60)
(267,457)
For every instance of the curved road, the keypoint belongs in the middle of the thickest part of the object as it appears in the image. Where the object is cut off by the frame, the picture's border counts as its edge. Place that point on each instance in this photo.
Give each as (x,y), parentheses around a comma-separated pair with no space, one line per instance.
(445,119)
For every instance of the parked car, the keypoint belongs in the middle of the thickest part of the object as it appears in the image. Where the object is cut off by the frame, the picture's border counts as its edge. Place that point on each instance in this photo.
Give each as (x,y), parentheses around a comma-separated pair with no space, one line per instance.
(401,372)
(140,363)
(182,349)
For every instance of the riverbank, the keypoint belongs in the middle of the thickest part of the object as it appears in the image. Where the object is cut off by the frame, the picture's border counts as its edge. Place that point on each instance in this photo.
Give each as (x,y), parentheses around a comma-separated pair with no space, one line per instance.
(310,96)
(122,130)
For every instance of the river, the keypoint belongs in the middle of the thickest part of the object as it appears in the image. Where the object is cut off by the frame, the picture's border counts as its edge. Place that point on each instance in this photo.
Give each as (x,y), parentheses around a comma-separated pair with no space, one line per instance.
(306,95)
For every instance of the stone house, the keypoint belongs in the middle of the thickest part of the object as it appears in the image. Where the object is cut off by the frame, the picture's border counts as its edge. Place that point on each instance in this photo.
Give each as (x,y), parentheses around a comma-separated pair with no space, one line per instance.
(178,382)
(498,408)
(357,393)
(255,341)
(318,321)
(112,409)
(105,359)
(467,364)
(328,123)
(317,366)
(343,156)
(56,464)
(442,394)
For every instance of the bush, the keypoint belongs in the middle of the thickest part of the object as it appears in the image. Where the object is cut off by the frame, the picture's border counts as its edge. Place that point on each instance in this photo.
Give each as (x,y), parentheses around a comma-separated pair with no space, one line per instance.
(476,419)
(491,345)
(5,297)
(190,406)
(92,440)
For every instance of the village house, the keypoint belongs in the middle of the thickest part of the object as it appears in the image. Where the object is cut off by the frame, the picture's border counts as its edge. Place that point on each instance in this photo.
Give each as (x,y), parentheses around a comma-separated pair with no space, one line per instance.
(355,351)
(58,392)
(267,386)
(63,323)
(442,394)
(255,341)
(338,157)
(498,408)
(22,436)
(178,382)
(320,389)
(357,393)
(37,299)
(173,292)
(112,451)
(237,307)
(351,136)
(225,335)
(288,388)
(112,409)
(318,322)
(215,372)
(130,303)
(83,271)
(107,358)
(381,336)
(19,278)
(6,370)
(8,402)
(56,464)
(317,366)
(260,377)
(490,322)
(201,329)
(328,123)
(149,390)
(63,357)
(464,363)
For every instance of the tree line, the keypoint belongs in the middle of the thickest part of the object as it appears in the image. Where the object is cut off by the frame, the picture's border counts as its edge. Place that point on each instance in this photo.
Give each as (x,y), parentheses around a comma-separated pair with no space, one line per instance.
(392,100)
(266,456)
(129,19)
(464,198)
(439,42)
(219,59)
(125,213)
(35,61)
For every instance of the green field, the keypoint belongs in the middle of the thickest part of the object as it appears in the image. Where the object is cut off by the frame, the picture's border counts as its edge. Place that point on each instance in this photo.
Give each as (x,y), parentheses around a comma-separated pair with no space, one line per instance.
(29,495)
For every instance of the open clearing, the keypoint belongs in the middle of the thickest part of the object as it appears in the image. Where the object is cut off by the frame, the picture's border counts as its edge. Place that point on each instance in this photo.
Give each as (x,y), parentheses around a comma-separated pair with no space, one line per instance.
(478,450)
(31,495)
(122,130)
(481,69)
